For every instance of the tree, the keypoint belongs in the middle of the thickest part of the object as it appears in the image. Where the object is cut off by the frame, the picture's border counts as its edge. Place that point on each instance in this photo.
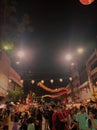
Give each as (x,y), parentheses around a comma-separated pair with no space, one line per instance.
(15,95)
(11,27)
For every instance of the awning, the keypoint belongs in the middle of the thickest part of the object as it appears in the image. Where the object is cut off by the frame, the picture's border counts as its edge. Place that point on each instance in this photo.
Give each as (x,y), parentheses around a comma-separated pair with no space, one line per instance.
(15,77)
(15,80)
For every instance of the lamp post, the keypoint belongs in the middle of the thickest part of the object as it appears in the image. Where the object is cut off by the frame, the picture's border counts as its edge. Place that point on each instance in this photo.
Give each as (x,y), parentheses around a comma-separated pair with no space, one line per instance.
(72,89)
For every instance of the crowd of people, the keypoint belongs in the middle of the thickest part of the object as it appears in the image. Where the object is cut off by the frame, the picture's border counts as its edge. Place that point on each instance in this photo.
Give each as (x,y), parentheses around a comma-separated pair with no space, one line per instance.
(55,117)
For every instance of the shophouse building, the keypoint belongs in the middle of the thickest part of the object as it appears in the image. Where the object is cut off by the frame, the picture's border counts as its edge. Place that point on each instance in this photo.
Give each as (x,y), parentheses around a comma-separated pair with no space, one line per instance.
(9,78)
(91,66)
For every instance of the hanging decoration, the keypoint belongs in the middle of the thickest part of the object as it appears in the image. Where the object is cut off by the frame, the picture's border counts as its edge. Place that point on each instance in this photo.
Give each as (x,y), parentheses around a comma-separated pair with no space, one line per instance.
(86,2)
(55,96)
(52,90)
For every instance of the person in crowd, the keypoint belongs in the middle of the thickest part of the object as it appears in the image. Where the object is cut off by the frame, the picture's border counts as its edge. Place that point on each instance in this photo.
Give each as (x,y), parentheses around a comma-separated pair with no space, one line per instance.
(6,119)
(81,118)
(66,113)
(46,116)
(15,123)
(23,120)
(38,120)
(54,118)
(72,120)
(31,125)
(50,117)
(91,123)
(24,125)
(11,121)
(58,119)
(1,127)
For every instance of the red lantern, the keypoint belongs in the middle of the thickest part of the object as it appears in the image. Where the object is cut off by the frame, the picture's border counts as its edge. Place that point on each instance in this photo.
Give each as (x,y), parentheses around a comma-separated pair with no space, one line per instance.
(86,2)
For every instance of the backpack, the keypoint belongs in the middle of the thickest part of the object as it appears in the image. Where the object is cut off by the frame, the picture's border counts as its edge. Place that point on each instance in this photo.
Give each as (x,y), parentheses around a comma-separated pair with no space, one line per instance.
(59,125)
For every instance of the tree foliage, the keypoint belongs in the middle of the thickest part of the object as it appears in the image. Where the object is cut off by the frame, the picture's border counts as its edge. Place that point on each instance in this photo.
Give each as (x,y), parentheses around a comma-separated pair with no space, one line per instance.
(15,95)
(6,45)
(11,26)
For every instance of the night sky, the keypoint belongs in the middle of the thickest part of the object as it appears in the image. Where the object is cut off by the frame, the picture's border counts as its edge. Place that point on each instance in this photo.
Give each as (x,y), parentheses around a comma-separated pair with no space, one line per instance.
(58,27)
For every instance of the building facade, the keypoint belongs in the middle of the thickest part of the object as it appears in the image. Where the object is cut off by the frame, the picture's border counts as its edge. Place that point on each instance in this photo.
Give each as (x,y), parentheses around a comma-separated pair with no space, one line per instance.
(84,88)
(7,75)
(84,83)
(91,66)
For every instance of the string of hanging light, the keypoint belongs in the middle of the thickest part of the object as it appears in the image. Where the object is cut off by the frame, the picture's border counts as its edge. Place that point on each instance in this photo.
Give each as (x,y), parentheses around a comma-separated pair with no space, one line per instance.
(42,81)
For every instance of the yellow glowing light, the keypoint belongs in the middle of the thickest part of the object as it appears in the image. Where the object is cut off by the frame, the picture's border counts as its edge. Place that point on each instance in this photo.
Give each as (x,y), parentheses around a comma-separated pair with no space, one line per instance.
(52,81)
(22,81)
(6,47)
(80,50)
(6,93)
(70,78)
(72,64)
(10,80)
(61,80)
(42,81)
(33,81)
(17,62)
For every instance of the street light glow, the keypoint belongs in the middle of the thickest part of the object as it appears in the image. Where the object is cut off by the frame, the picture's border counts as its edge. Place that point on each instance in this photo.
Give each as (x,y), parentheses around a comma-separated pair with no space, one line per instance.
(33,81)
(70,78)
(17,62)
(72,64)
(80,50)
(6,47)
(21,54)
(69,57)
